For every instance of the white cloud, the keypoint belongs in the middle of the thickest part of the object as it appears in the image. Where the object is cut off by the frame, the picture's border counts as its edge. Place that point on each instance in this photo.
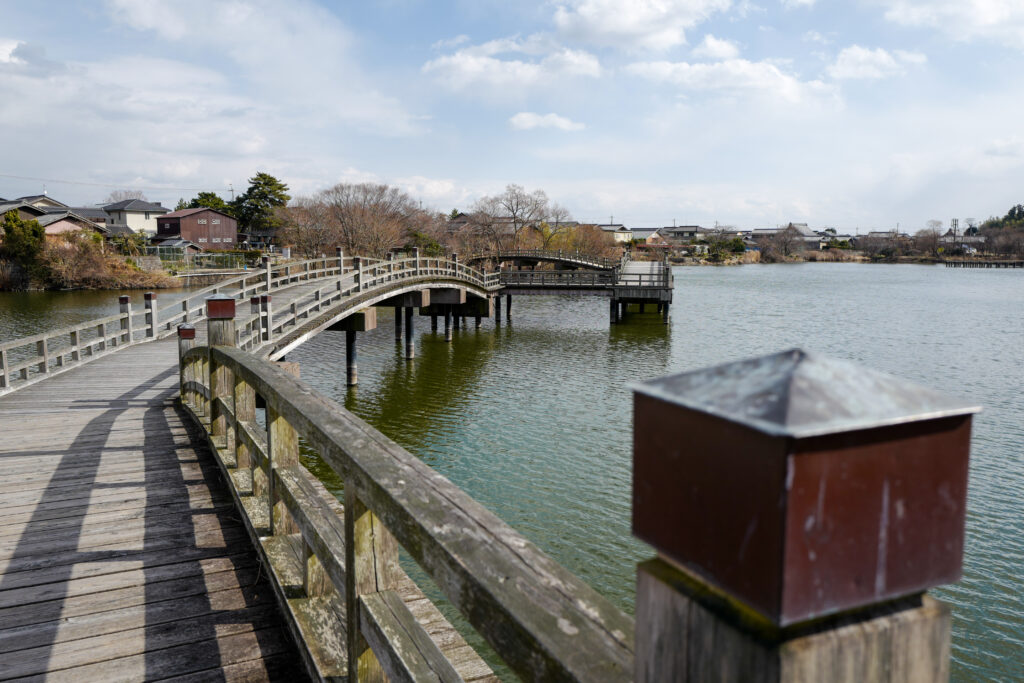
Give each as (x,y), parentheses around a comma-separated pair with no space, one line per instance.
(716,48)
(526,120)
(733,75)
(864,63)
(460,39)
(480,67)
(283,51)
(790,4)
(816,37)
(1001,20)
(634,24)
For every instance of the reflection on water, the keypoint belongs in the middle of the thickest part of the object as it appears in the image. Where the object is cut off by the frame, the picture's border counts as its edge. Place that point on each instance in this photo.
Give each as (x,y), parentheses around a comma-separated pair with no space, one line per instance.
(533,419)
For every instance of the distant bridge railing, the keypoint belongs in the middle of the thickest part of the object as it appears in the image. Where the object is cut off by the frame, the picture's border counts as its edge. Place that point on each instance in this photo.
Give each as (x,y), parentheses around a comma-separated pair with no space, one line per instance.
(361,274)
(544,622)
(566,279)
(573,256)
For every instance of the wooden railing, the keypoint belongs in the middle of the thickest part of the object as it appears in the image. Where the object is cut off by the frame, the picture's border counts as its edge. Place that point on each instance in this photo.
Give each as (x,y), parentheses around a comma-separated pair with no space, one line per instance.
(31,359)
(545,623)
(574,256)
(566,279)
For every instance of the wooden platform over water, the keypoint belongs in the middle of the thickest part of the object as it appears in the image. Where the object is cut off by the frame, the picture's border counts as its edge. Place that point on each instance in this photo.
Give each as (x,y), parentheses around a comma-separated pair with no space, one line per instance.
(121,555)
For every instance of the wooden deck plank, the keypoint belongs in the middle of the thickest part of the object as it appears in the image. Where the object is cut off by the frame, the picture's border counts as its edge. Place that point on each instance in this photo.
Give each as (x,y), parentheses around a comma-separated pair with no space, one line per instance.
(121,554)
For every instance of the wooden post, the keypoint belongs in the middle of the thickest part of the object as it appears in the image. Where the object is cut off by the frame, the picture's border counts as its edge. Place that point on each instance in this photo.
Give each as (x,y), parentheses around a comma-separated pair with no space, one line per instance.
(508,307)
(398,323)
(268,275)
(410,347)
(184,310)
(614,310)
(416,255)
(76,354)
(220,331)
(351,371)
(5,379)
(339,254)
(478,320)
(266,316)
(457,320)
(151,314)
(43,351)
(447,323)
(497,310)
(186,372)
(357,266)
(283,448)
(665,312)
(433,322)
(371,566)
(820,526)
(125,303)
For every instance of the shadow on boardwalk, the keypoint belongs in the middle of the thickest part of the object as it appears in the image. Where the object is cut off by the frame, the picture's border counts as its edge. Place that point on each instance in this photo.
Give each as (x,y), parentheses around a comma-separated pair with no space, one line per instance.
(121,555)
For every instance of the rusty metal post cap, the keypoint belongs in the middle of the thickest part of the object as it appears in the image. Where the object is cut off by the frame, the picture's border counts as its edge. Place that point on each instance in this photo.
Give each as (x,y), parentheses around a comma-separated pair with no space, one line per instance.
(149,296)
(186,331)
(265,298)
(124,299)
(220,307)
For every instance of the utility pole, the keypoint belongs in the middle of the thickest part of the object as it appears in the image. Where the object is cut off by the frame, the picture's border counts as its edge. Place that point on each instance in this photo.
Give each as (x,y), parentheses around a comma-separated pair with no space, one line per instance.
(232,188)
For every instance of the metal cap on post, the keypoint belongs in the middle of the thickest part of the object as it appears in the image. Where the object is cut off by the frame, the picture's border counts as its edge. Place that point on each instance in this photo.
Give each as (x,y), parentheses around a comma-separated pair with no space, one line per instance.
(796,487)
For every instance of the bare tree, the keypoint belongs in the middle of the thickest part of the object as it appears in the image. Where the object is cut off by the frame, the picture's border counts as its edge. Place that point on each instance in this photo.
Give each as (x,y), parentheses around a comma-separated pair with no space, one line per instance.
(308,227)
(121,195)
(927,241)
(555,226)
(934,224)
(371,218)
(788,240)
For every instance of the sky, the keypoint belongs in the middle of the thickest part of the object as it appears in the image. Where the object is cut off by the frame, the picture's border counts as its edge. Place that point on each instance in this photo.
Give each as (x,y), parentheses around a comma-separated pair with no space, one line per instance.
(859,115)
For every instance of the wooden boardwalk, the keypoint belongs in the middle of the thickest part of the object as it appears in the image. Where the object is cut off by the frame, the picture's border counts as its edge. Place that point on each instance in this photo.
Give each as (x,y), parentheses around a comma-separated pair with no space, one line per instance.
(121,555)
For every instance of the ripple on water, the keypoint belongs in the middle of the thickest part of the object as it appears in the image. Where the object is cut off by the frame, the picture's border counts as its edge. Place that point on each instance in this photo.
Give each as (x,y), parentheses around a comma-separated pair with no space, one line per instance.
(534,419)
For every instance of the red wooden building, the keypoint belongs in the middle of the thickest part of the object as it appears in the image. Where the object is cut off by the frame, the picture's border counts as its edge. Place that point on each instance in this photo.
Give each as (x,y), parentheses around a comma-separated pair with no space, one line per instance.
(206,228)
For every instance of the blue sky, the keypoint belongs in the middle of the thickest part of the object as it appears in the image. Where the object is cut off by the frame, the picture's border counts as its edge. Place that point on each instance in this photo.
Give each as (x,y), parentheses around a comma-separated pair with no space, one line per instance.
(857,114)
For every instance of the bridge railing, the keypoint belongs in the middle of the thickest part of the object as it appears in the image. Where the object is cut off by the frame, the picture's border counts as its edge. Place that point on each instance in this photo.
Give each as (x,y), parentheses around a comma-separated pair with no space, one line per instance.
(544,622)
(361,274)
(30,359)
(557,278)
(661,279)
(568,255)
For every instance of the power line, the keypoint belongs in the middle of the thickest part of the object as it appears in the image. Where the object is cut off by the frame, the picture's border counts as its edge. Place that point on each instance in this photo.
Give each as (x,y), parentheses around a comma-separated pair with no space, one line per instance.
(111,185)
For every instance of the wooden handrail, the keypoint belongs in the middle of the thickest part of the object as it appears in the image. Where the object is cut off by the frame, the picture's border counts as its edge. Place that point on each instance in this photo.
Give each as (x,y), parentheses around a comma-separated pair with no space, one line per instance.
(543,621)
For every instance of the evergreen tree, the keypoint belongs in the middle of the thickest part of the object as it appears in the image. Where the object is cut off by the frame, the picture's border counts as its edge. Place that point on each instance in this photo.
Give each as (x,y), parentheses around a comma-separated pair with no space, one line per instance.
(211,200)
(256,208)
(23,240)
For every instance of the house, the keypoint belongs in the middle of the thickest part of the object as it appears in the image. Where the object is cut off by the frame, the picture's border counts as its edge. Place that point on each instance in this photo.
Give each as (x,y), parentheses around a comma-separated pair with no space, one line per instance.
(26,211)
(56,222)
(683,233)
(139,215)
(206,228)
(93,213)
(618,231)
(43,201)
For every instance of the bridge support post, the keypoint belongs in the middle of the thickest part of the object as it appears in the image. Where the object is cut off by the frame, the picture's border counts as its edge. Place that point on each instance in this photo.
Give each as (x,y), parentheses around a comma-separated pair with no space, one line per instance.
(186,373)
(151,314)
(398,323)
(614,306)
(456,319)
(433,322)
(125,303)
(410,348)
(477,320)
(822,574)
(351,371)
(508,307)
(497,310)
(220,331)
(664,312)
(447,323)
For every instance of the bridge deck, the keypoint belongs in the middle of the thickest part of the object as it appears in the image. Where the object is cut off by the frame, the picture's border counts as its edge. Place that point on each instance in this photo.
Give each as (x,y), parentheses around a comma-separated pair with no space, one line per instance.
(121,556)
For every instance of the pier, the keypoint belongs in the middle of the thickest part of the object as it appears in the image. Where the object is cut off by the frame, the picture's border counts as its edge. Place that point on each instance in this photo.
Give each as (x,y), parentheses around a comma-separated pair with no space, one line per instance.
(160,524)
(965,263)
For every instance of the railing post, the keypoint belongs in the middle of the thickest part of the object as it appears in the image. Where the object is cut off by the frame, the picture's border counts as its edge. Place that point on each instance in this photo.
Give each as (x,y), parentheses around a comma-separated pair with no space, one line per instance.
(268,275)
(220,331)
(340,255)
(125,303)
(800,508)
(267,318)
(416,255)
(5,380)
(357,266)
(151,314)
(43,351)
(283,449)
(371,566)
(184,310)
(186,371)
(245,411)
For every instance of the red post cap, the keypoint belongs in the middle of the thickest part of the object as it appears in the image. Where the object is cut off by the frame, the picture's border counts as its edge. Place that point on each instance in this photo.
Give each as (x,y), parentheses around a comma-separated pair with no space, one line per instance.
(149,296)
(265,298)
(801,485)
(220,307)
(186,332)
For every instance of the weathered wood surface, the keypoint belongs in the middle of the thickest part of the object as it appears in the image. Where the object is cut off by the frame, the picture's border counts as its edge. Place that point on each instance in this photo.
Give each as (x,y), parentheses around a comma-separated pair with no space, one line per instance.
(121,554)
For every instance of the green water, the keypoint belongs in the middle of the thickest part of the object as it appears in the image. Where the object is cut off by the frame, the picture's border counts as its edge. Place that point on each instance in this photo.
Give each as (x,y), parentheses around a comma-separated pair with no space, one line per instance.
(533,419)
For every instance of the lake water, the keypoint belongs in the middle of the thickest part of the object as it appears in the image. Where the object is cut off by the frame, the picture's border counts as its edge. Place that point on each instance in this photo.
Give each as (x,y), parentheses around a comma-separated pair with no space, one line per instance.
(533,419)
